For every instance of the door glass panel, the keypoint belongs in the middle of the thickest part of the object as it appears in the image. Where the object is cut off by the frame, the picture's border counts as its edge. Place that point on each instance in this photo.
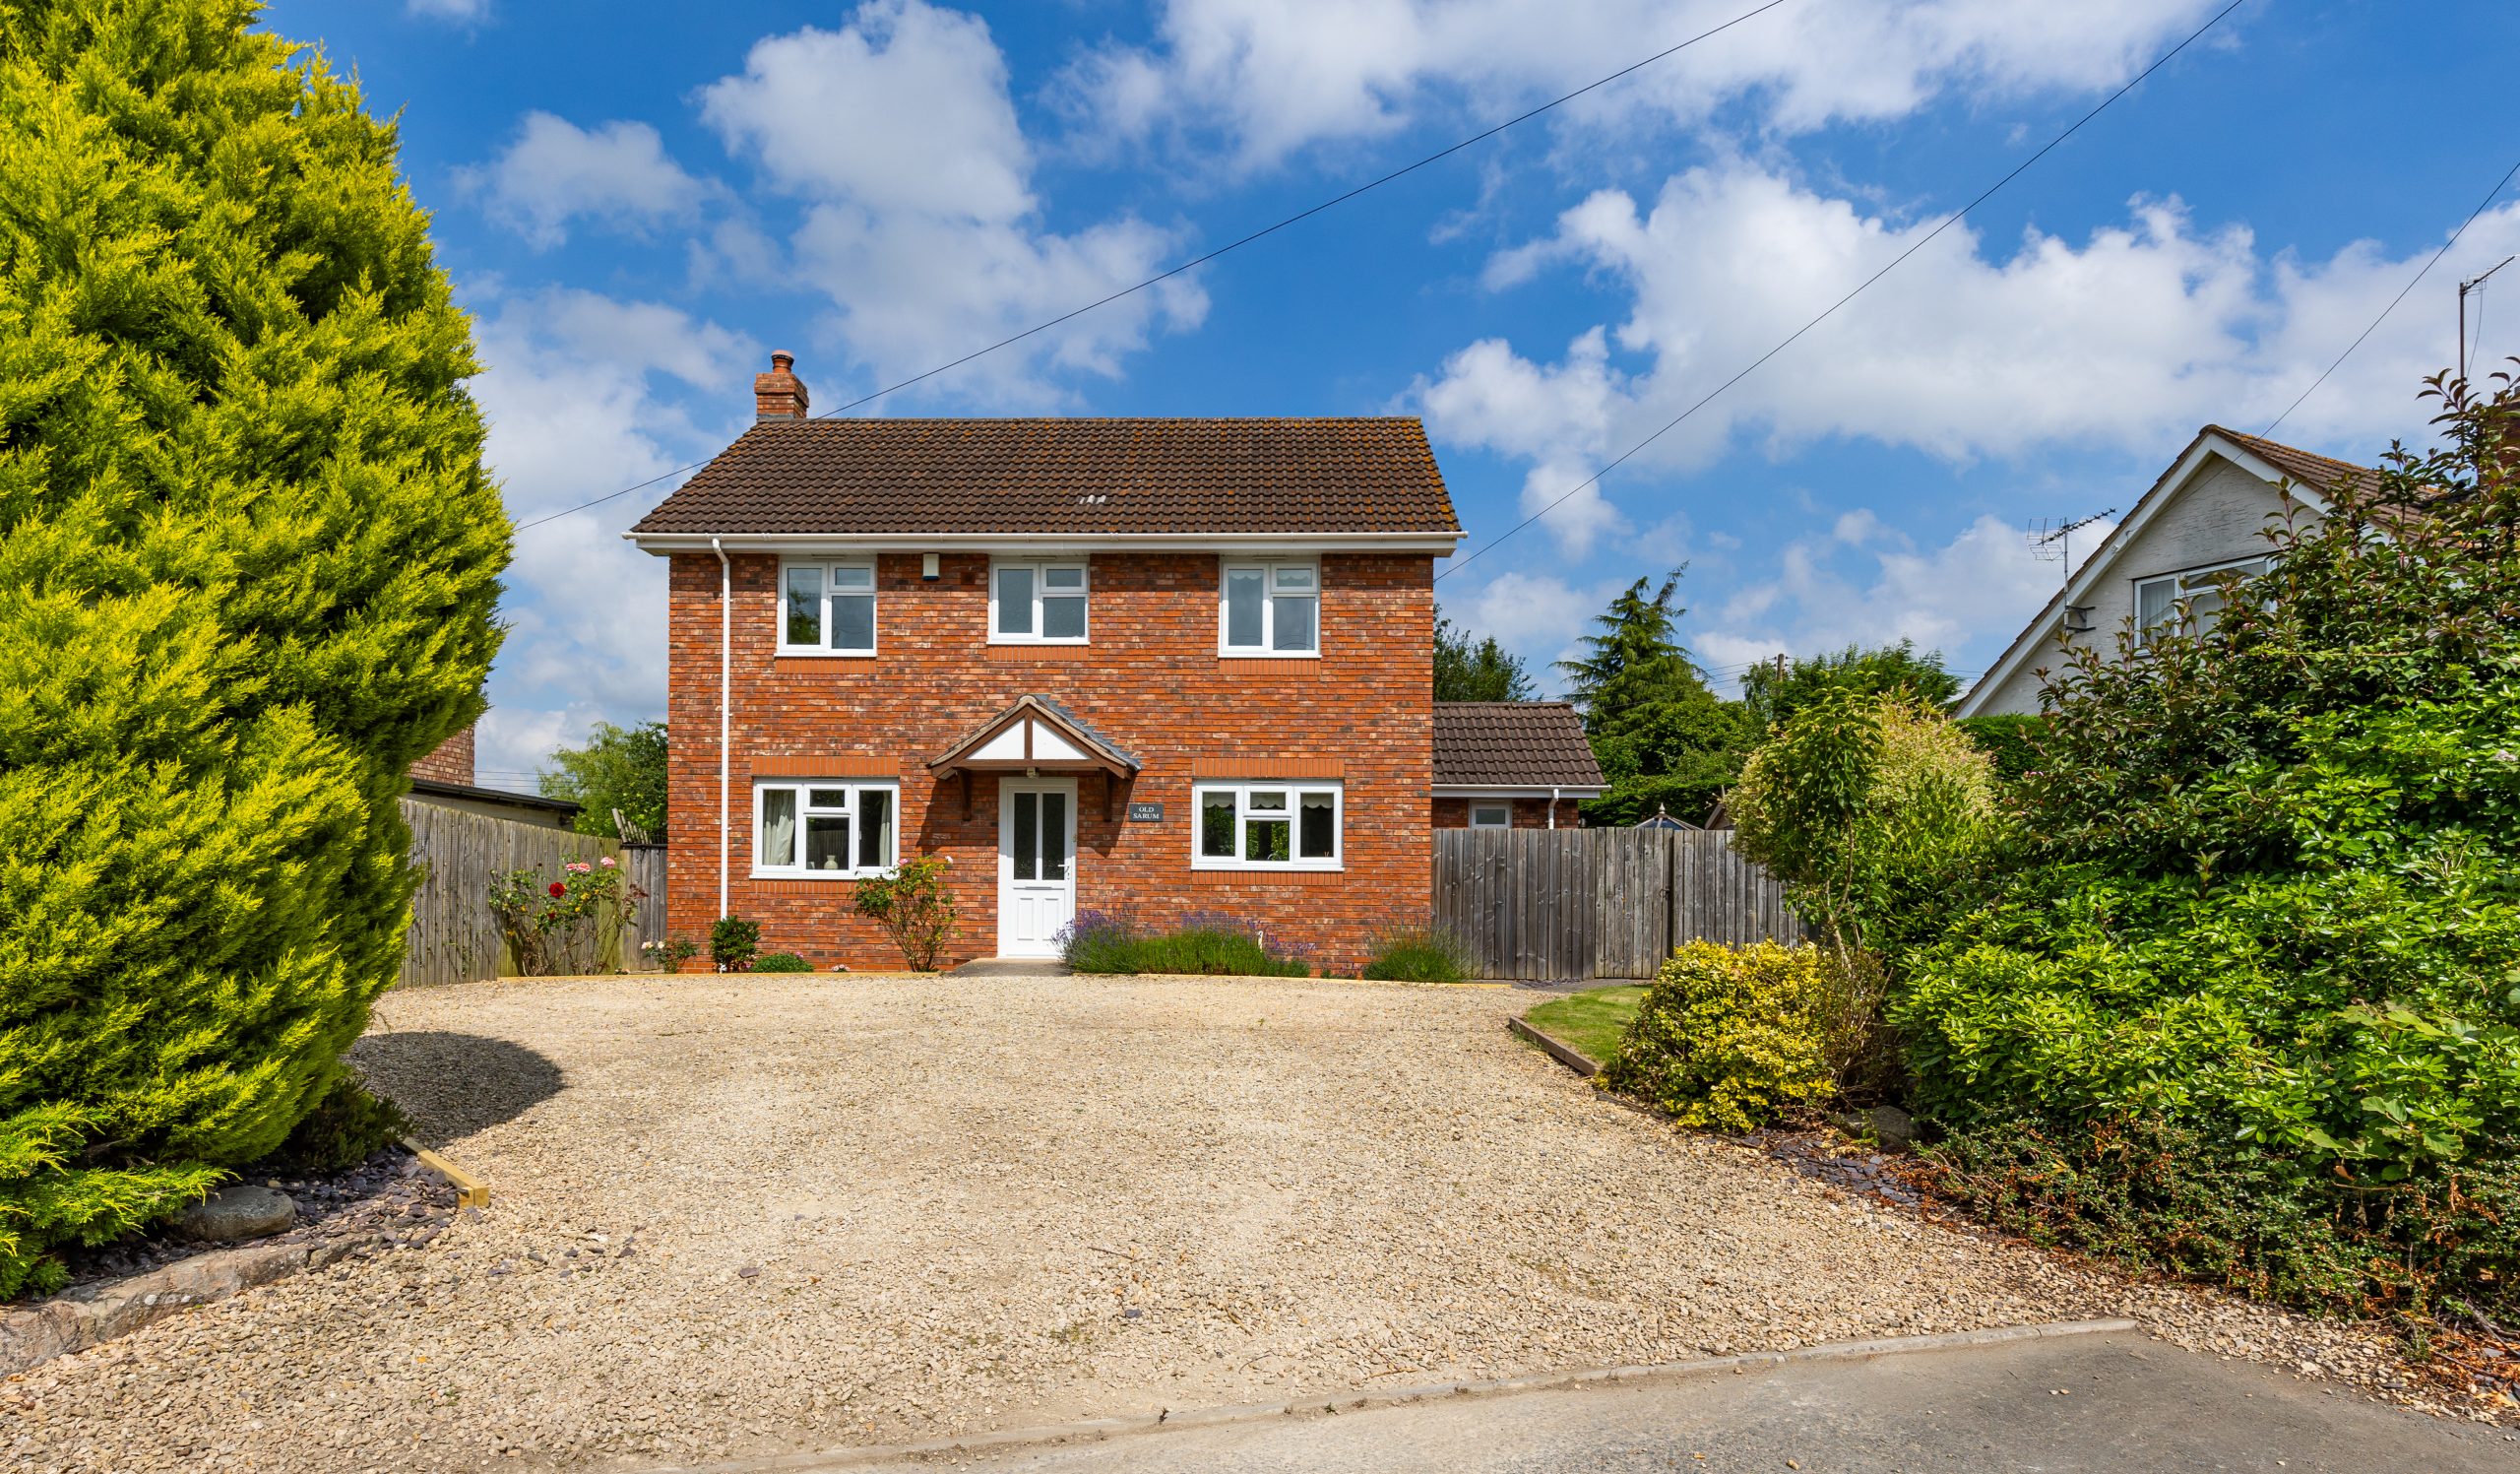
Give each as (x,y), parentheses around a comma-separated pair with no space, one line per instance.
(777,846)
(804,607)
(853,621)
(1265,840)
(1027,832)
(874,828)
(1063,618)
(1014,601)
(1215,825)
(1246,595)
(1317,826)
(1290,621)
(826,841)
(1054,836)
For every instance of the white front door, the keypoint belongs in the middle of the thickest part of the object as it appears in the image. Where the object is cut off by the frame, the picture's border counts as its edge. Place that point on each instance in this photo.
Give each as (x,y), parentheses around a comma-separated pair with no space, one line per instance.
(1035,865)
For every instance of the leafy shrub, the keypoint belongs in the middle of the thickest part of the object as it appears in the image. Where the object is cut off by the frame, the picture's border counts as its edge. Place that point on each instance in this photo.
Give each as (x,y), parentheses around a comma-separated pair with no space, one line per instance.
(2258,951)
(734,944)
(2010,739)
(564,924)
(671,953)
(915,907)
(350,1126)
(1877,815)
(782,962)
(1420,954)
(248,559)
(1110,943)
(1726,1037)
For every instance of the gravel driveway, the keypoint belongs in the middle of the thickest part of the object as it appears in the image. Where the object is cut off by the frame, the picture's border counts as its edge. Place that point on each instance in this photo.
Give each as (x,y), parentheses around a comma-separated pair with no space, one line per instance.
(741,1219)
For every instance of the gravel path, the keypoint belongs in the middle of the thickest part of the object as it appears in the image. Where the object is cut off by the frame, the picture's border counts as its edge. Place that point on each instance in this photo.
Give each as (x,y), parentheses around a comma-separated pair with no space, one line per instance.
(741,1219)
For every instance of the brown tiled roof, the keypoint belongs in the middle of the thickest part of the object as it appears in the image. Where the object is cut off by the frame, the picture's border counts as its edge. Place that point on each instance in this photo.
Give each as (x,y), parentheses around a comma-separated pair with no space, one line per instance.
(1512,745)
(2317,472)
(1084,477)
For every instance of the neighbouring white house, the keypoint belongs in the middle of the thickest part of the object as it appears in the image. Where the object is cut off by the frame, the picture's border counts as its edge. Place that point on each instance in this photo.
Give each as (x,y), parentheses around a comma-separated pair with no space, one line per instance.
(2208,515)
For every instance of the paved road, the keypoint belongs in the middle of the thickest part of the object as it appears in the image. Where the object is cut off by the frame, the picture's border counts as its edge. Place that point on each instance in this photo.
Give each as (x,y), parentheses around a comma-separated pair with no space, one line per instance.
(2121,1403)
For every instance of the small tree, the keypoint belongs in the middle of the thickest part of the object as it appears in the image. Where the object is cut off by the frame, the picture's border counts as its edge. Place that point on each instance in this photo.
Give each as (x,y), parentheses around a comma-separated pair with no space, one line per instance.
(1636,661)
(1484,672)
(621,770)
(248,557)
(1773,696)
(915,908)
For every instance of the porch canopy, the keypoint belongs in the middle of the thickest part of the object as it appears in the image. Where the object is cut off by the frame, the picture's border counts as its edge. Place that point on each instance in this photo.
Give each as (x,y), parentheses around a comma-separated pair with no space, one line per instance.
(1036,735)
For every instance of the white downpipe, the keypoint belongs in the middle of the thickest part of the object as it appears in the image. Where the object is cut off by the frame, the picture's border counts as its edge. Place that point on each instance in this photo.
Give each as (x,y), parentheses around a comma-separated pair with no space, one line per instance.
(725,701)
(1552,807)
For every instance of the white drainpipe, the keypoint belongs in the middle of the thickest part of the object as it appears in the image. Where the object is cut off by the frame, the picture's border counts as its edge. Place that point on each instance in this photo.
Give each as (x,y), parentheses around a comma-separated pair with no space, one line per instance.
(725,701)
(1552,805)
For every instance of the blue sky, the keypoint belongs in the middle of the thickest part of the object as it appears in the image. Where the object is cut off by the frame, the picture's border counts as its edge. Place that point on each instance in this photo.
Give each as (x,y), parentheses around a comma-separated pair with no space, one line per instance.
(640,201)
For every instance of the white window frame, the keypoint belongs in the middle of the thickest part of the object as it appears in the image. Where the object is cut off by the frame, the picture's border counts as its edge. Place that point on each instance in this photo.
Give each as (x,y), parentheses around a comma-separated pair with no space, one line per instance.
(1040,569)
(2187,583)
(1268,569)
(1296,790)
(803,789)
(872,592)
(1475,805)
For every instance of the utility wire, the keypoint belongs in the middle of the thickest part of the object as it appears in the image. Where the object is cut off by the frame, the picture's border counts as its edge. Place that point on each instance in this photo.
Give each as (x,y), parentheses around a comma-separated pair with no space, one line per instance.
(2426,270)
(1922,242)
(1198,261)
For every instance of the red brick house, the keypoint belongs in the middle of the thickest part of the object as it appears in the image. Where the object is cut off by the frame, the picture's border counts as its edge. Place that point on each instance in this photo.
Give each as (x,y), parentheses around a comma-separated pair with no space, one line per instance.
(1512,765)
(1164,665)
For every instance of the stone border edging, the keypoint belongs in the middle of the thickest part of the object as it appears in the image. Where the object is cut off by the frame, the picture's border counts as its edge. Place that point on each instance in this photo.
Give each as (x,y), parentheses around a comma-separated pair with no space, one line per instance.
(78,1320)
(1559,1049)
(1098,1429)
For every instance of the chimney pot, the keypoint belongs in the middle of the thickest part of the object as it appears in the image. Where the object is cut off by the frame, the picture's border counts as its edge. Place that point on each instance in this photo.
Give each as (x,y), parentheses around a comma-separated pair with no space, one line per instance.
(780,393)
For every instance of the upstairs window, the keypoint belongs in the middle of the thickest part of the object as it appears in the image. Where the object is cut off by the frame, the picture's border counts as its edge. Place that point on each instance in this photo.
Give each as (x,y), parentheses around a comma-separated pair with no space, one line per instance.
(827,607)
(1271,608)
(1267,826)
(2156,599)
(826,829)
(1036,604)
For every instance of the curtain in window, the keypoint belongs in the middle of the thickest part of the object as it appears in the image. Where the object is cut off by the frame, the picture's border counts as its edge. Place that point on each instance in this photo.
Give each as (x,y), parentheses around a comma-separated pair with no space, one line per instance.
(778,827)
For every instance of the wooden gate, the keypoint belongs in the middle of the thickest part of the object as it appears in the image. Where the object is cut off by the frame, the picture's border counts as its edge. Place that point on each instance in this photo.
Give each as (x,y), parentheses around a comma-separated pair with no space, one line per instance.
(1553,905)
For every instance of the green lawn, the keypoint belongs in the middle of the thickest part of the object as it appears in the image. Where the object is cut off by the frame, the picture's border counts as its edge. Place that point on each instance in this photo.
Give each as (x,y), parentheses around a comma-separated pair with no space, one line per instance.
(1589,1021)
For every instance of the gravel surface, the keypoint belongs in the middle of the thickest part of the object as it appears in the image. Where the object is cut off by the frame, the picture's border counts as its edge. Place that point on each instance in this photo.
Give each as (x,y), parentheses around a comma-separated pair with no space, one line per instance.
(735,1219)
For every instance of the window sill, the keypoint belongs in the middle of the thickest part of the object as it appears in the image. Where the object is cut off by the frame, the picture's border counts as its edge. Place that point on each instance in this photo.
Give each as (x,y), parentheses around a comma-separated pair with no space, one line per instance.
(1267,655)
(1228,867)
(814,653)
(824,876)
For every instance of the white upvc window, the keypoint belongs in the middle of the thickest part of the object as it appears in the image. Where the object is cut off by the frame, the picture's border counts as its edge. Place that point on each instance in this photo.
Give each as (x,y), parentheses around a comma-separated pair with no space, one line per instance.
(1266,825)
(1269,608)
(827,607)
(1033,602)
(1491,814)
(2156,599)
(818,829)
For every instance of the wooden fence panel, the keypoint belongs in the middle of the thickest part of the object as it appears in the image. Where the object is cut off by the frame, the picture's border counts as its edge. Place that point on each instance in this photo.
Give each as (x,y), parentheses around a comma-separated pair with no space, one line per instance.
(453,937)
(1556,905)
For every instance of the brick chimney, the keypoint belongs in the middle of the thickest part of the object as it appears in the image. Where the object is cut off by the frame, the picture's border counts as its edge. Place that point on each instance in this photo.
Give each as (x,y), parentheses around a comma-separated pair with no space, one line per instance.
(780,393)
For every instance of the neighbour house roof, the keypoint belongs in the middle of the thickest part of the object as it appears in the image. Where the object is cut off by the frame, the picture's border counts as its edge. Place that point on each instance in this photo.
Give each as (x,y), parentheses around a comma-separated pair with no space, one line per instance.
(2310,474)
(442,789)
(1513,744)
(1085,477)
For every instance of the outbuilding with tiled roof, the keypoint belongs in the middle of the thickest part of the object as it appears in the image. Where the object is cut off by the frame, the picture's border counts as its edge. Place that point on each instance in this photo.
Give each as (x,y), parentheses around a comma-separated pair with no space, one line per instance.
(1511,764)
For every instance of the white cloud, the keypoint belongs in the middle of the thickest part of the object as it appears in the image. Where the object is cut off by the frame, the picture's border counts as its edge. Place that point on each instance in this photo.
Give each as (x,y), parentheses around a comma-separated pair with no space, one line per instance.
(579,392)
(1271,76)
(2128,340)
(554,172)
(464,12)
(920,220)
(1538,616)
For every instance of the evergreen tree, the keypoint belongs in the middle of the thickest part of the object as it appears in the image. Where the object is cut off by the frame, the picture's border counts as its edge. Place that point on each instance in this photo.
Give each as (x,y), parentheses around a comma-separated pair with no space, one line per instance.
(619,769)
(1485,672)
(1880,671)
(1636,661)
(248,559)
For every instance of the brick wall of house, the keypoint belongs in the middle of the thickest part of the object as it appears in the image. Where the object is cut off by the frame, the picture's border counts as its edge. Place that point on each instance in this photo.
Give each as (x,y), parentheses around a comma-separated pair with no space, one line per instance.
(451,761)
(1149,681)
(1529,814)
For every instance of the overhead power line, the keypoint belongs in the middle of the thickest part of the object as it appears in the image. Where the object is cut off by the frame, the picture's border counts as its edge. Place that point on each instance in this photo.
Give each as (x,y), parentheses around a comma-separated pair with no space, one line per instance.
(1826,313)
(2374,325)
(1201,260)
